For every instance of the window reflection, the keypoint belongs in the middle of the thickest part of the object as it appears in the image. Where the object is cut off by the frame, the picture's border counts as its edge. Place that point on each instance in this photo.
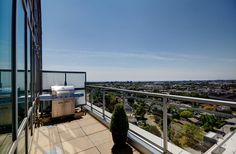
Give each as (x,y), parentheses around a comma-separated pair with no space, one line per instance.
(5,76)
(20,62)
(29,64)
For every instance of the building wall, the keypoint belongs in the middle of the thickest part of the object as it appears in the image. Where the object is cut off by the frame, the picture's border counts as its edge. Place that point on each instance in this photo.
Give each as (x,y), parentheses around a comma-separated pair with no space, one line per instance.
(20,71)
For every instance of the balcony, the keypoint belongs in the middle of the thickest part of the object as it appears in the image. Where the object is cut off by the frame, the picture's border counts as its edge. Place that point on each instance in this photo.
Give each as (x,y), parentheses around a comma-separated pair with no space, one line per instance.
(138,138)
(90,133)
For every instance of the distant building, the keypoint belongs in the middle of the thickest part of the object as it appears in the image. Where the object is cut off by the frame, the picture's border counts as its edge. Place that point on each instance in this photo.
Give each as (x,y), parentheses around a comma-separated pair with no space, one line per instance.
(211,137)
(225,145)
(194,120)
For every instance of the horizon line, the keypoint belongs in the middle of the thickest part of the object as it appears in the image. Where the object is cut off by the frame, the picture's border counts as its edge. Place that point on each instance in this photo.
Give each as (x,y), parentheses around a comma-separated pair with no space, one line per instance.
(164,80)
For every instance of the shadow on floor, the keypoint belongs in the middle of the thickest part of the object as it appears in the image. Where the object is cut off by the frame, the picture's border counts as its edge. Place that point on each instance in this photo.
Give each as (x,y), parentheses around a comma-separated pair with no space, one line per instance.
(126,149)
(47,120)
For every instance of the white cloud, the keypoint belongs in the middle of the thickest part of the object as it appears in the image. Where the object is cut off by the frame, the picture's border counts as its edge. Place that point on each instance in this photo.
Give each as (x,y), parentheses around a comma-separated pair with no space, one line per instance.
(114,72)
(144,74)
(159,55)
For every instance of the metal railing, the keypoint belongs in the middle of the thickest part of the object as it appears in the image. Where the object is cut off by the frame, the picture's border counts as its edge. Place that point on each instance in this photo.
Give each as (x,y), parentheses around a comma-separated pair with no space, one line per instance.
(164,101)
(29,118)
(50,78)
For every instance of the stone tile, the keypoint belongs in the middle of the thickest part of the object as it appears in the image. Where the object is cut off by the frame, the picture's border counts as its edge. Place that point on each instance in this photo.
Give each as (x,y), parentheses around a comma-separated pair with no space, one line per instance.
(90,129)
(51,149)
(100,137)
(72,124)
(43,141)
(37,149)
(93,150)
(86,122)
(87,116)
(54,135)
(105,148)
(77,145)
(43,129)
(61,128)
(71,134)
(41,136)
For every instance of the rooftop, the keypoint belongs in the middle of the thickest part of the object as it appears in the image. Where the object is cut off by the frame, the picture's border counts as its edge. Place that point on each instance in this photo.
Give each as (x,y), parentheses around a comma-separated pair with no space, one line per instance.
(225,145)
(85,135)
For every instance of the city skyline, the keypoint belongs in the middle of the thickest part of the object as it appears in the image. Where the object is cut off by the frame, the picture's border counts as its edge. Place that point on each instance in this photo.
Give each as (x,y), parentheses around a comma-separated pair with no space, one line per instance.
(141,40)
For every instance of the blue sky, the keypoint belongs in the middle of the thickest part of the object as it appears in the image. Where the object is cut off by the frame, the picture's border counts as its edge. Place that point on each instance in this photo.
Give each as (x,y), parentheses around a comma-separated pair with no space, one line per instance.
(141,39)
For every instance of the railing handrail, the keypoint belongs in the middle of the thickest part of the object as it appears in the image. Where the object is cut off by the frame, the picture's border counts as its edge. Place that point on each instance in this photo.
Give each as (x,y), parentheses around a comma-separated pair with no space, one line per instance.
(9,70)
(49,71)
(168,96)
(45,71)
(164,102)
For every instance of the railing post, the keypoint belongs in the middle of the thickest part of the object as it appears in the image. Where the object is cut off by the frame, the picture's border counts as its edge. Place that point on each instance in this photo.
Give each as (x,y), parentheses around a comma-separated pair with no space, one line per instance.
(0,80)
(31,120)
(65,82)
(165,131)
(91,96)
(103,104)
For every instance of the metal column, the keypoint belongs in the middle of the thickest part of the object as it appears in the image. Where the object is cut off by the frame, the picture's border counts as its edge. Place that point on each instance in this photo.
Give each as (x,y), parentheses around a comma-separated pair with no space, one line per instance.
(103,104)
(91,96)
(26,81)
(14,73)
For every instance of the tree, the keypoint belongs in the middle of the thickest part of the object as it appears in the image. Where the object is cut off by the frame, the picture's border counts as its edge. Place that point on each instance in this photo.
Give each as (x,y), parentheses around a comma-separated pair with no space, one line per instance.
(186,114)
(152,129)
(193,132)
(97,96)
(135,105)
(174,112)
(189,135)
(119,125)
(140,112)
(111,101)
(131,100)
(209,107)
(211,121)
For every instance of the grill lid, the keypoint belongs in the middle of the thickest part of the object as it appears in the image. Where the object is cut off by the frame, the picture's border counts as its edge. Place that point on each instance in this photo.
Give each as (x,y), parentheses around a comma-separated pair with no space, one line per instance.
(62,90)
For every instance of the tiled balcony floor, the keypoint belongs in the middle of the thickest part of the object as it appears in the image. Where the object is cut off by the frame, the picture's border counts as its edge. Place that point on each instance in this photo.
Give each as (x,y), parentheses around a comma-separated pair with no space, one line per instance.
(81,136)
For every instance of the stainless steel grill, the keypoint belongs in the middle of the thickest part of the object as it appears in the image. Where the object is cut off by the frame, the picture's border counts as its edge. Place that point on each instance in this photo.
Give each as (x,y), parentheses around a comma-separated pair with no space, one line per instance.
(63,101)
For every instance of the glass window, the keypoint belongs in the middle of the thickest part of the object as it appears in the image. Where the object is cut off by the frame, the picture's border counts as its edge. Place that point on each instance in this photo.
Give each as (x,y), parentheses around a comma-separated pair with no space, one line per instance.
(5,76)
(76,79)
(29,82)
(29,71)
(20,62)
(52,79)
